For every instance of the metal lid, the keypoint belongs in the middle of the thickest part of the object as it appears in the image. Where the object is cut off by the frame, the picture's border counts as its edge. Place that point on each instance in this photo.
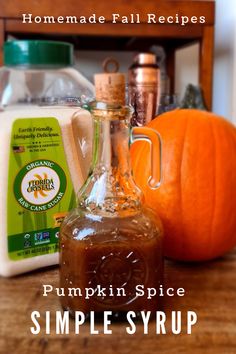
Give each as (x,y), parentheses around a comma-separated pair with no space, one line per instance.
(145,58)
(38,53)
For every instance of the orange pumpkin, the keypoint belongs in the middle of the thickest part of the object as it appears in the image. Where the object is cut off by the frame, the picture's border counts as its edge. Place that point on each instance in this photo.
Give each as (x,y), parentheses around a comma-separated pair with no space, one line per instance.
(197,198)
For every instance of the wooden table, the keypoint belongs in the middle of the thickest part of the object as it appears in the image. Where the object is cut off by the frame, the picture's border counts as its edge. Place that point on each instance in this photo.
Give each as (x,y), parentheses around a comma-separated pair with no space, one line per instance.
(210,291)
(110,36)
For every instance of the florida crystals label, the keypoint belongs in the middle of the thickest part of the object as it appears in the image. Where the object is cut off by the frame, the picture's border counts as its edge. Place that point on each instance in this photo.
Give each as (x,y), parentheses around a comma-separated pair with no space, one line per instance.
(40,192)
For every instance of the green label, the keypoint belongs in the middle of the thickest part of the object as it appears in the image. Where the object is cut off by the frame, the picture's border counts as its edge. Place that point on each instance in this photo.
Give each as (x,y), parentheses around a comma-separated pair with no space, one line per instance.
(40,192)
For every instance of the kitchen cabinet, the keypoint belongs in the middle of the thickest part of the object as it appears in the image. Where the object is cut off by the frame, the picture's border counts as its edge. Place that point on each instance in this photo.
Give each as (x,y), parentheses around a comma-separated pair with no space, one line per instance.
(119,36)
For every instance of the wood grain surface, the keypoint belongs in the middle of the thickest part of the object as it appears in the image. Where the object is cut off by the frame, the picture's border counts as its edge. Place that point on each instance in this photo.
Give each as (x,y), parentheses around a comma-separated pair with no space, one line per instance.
(210,291)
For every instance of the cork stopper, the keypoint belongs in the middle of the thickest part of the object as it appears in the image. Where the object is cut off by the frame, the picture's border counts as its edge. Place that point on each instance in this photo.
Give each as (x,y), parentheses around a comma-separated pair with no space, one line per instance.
(110,86)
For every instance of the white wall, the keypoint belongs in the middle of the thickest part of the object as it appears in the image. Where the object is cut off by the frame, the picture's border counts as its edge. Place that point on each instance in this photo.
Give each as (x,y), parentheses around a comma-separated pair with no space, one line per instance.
(224,88)
(234,80)
(186,68)
(224,80)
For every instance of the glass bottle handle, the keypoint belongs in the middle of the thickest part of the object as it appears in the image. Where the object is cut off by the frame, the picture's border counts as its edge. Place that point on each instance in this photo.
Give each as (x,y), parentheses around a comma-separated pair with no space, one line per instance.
(153,138)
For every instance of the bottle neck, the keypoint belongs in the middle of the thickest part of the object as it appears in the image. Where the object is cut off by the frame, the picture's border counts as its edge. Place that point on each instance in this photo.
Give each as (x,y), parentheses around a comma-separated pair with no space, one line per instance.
(111,151)
(110,186)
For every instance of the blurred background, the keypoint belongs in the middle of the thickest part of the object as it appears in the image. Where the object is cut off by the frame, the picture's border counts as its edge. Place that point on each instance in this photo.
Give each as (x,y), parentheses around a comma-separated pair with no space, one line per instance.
(187,62)
(193,54)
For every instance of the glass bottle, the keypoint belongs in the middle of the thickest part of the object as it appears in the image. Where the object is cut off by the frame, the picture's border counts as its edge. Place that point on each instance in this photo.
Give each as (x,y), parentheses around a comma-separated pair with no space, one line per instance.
(111,240)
